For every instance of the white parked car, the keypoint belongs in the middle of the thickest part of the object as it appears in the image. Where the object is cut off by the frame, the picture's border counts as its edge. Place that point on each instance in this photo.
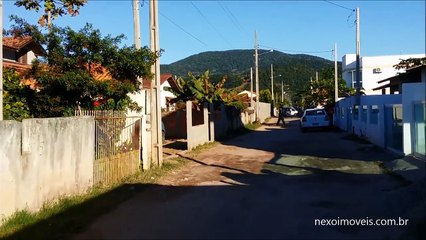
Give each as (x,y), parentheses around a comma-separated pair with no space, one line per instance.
(290,111)
(314,118)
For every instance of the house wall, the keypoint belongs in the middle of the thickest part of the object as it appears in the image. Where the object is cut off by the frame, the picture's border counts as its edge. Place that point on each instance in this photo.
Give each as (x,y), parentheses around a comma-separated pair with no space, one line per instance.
(30,57)
(165,94)
(175,124)
(264,111)
(368,64)
(197,134)
(43,159)
(228,118)
(370,122)
(9,54)
(415,94)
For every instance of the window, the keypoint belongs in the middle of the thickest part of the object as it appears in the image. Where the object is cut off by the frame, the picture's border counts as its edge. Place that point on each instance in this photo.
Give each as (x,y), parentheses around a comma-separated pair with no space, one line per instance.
(364,113)
(356,112)
(353,77)
(374,114)
(315,112)
(419,129)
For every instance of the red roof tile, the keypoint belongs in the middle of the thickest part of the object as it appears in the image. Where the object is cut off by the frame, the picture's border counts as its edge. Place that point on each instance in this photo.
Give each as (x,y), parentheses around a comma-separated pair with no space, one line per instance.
(18,43)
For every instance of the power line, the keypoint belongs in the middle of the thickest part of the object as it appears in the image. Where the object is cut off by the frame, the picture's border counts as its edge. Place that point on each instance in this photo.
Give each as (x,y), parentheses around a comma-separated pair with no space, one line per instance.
(231,16)
(335,4)
(346,8)
(211,25)
(181,28)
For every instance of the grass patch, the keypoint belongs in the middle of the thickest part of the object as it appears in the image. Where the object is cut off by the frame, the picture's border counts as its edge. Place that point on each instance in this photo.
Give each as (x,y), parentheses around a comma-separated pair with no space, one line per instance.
(252,126)
(70,215)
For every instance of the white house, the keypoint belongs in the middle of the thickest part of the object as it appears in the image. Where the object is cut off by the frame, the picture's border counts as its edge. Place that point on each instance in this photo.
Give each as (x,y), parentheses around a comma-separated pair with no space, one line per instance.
(167,80)
(142,96)
(373,69)
(249,94)
(393,121)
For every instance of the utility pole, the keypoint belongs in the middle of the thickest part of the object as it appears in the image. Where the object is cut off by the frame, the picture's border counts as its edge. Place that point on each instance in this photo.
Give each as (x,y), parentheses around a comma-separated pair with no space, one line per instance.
(137,40)
(282,91)
(256,65)
(251,87)
(1,61)
(336,86)
(272,90)
(136,24)
(358,73)
(156,133)
(316,76)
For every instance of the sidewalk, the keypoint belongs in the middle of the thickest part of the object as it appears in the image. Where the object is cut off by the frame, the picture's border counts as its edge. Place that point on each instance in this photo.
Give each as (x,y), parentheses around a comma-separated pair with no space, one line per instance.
(409,167)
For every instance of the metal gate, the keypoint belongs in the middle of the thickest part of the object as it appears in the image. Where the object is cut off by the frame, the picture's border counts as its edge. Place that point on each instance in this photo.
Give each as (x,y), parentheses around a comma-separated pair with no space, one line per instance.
(117,146)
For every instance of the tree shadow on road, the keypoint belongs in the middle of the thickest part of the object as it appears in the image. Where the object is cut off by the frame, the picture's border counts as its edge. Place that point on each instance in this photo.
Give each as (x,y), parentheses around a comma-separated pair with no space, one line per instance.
(282,201)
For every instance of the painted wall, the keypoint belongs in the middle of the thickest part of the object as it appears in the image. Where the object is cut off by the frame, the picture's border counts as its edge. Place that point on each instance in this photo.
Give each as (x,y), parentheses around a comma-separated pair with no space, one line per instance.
(416,95)
(364,125)
(264,111)
(197,134)
(165,94)
(43,159)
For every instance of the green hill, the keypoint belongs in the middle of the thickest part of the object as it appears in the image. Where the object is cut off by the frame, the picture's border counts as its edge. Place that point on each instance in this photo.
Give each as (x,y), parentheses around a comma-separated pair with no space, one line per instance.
(293,69)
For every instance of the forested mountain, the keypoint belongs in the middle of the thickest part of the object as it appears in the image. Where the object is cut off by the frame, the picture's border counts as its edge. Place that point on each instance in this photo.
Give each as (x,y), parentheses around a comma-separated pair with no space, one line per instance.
(293,69)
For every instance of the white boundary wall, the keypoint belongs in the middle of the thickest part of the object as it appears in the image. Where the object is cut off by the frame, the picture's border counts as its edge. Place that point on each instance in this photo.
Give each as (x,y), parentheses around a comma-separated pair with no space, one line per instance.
(44,159)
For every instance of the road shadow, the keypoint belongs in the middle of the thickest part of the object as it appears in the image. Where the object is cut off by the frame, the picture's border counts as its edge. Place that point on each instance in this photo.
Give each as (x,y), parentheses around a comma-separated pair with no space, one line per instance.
(323,143)
(285,200)
(238,205)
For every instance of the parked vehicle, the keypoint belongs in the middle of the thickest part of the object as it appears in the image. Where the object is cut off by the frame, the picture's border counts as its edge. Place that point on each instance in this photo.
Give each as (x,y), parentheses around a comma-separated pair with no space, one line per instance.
(290,111)
(314,118)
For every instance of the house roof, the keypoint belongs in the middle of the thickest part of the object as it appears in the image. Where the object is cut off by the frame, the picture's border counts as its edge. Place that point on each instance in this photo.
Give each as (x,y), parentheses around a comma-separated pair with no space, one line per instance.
(24,43)
(411,75)
(249,94)
(164,77)
(20,68)
(146,83)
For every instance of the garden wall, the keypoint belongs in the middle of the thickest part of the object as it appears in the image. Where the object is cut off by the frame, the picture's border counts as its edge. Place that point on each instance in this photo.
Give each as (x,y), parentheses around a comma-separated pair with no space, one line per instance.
(43,159)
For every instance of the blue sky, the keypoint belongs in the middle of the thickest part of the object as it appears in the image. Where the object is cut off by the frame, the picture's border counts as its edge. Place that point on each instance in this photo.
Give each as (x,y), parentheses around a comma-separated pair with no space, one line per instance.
(311,27)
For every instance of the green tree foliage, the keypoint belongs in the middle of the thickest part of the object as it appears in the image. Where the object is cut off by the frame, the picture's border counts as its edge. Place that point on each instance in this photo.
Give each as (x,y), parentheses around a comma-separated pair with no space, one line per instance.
(198,89)
(409,63)
(55,7)
(265,96)
(66,80)
(15,97)
(321,92)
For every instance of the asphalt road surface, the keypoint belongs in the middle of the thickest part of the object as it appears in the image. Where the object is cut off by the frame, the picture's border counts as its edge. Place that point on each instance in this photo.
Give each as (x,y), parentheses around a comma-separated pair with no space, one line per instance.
(274,183)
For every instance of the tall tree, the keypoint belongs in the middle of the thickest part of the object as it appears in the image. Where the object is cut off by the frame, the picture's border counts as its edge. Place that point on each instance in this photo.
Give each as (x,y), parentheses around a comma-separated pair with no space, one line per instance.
(52,8)
(409,63)
(84,69)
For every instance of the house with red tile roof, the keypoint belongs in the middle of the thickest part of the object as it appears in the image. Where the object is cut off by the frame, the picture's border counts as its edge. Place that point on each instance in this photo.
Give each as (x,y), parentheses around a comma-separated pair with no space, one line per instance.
(166,80)
(19,52)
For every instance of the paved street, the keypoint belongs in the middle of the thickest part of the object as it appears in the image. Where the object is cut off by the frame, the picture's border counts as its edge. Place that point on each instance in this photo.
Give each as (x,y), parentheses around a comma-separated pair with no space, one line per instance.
(272,183)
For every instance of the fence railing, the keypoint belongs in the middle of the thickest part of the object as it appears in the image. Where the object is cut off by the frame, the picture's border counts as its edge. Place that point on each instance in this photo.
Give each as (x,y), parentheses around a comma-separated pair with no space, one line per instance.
(117,145)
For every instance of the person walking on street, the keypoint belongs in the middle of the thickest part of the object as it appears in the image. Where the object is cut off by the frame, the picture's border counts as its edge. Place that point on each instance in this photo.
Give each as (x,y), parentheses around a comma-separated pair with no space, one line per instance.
(281,116)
